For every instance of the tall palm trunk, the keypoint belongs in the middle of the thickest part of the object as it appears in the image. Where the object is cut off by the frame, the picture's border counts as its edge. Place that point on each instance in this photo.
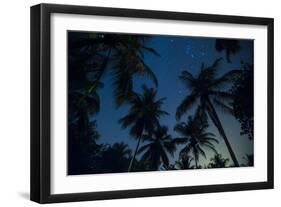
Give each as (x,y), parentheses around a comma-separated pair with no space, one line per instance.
(134,156)
(214,116)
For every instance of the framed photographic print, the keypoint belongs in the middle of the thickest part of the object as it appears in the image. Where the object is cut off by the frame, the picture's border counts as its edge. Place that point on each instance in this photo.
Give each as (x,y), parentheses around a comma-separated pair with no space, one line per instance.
(132,103)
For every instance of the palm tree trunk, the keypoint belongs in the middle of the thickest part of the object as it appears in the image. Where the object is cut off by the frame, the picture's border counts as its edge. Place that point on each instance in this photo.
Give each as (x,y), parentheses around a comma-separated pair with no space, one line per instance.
(134,156)
(196,163)
(214,116)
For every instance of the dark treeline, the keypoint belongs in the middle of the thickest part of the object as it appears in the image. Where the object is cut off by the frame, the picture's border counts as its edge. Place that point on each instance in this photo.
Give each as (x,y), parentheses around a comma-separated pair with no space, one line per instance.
(92,55)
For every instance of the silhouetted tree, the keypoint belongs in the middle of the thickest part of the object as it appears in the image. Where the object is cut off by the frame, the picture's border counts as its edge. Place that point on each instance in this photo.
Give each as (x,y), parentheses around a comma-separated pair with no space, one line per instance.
(121,56)
(90,56)
(111,158)
(157,147)
(206,88)
(218,161)
(243,101)
(143,116)
(81,148)
(194,136)
(82,105)
(184,162)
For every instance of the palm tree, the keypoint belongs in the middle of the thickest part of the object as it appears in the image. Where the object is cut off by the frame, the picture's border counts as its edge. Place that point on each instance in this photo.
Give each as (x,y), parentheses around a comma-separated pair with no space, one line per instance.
(129,59)
(230,46)
(184,162)
(83,104)
(156,151)
(205,89)
(120,55)
(143,116)
(218,162)
(194,136)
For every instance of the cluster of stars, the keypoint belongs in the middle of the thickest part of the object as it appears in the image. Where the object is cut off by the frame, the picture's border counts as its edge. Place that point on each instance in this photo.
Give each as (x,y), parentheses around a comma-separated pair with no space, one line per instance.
(195,53)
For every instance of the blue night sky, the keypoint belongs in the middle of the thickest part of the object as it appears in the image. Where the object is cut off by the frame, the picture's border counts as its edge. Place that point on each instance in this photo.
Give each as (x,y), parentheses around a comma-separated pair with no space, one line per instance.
(177,53)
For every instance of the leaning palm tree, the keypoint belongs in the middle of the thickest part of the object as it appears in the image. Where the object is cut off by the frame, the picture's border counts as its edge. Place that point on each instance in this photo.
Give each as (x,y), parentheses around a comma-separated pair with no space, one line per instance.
(194,136)
(205,89)
(156,151)
(143,116)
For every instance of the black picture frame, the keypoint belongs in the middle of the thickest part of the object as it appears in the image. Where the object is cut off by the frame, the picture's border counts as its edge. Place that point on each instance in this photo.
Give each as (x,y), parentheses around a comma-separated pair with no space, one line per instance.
(41,95)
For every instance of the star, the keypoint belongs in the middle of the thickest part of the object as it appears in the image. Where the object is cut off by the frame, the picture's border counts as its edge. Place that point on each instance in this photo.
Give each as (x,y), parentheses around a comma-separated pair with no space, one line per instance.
(187,50)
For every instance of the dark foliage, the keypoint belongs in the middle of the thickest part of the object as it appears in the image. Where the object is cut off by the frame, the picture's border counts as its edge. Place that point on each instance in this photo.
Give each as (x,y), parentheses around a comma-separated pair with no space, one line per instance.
(243,101)
(111,158)
(184,162)
(249,158)
(121,56)
(218,162)
(230,46)
(82,147)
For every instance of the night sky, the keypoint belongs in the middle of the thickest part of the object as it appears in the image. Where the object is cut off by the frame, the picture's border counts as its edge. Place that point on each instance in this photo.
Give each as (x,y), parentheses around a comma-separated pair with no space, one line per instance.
(177,53)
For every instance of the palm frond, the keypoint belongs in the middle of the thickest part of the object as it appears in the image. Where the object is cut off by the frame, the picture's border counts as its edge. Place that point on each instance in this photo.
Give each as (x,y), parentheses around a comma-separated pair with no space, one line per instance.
(224,107)
(143,148)
(226,78)
(164,157)
(151,50)
(186,104)
(147,71)
(216,63)
(186,76)
(211,147)
(201,151)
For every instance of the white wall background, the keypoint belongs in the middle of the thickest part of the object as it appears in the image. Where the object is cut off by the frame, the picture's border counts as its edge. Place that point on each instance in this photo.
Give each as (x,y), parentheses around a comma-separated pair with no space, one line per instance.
(14,101)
